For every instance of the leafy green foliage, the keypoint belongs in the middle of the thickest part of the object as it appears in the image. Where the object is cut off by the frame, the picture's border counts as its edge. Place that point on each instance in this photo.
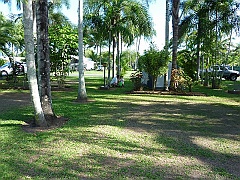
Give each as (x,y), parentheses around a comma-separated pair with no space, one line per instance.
(63,43)
(11,33)
(187,61)
(154,62)
(206,33)
(128,59)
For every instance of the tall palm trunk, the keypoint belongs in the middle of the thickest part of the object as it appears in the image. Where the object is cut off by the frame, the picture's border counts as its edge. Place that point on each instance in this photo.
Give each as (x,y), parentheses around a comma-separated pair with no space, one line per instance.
(175,22)
(109,55)
(118,62)
(29,47)
(198,57)
(113,55)
(199,32)
(82,93)
(166,41)
(43,59)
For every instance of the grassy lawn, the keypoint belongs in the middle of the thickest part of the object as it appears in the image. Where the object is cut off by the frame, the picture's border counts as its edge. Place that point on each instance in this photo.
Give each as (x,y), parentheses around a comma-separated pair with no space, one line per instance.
(119,135)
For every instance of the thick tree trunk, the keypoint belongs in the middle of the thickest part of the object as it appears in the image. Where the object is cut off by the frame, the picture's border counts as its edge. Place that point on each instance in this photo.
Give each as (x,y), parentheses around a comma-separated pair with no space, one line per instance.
(175,22)
(30,57)
(82,93)
(43,59)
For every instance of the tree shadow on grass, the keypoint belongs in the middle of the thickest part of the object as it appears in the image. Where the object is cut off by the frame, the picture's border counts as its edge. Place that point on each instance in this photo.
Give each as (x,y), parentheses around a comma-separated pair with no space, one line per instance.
(179,125)
(174,128)
(182,127)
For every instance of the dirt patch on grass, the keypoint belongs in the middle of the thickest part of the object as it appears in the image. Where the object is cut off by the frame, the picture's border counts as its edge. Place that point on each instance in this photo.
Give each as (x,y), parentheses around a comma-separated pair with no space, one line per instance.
(54,123)
(20,99)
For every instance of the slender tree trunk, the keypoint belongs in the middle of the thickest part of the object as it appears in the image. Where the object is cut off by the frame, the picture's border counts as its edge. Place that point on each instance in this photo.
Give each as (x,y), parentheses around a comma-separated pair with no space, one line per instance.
(198,59)
(114,56)
(229,47)
(138,40)
(166,42)
(118,54)
(82,93)
(198,46)
(109,56)
(43,59)
(30,57)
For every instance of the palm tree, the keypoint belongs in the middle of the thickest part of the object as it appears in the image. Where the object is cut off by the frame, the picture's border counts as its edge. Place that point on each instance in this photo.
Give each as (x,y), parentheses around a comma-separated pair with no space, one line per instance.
(29,48)
(82,93)
(44,63)
(5,33)
(124,20)
(43,59)
(166,41)
(200,21)
(39,119)
(175,23)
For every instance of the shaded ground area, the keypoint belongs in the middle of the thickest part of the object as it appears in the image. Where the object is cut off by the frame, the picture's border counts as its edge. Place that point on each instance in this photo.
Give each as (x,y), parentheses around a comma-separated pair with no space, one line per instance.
(195,129)
(191,140)
(14,100)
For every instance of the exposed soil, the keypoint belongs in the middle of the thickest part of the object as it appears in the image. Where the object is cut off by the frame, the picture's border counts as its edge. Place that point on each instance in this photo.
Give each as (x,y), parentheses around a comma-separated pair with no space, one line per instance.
(54,123)
(16,100)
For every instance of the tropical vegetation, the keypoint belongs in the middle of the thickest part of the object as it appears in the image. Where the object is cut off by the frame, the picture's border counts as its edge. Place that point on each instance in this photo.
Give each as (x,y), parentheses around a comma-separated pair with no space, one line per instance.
(82,131)
(118,135)
(202,37)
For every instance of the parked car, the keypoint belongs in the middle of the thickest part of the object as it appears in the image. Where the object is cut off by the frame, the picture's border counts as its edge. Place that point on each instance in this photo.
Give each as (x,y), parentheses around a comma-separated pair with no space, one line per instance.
(225,72)
(236,68)
(8,68)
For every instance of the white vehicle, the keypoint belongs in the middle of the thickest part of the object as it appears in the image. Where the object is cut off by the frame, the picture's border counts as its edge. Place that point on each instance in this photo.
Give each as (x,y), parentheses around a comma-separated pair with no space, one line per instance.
(7,68)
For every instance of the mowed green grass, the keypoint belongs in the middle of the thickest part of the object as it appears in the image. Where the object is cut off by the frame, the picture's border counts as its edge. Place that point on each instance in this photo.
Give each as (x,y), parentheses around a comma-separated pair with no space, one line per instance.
(118,135)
